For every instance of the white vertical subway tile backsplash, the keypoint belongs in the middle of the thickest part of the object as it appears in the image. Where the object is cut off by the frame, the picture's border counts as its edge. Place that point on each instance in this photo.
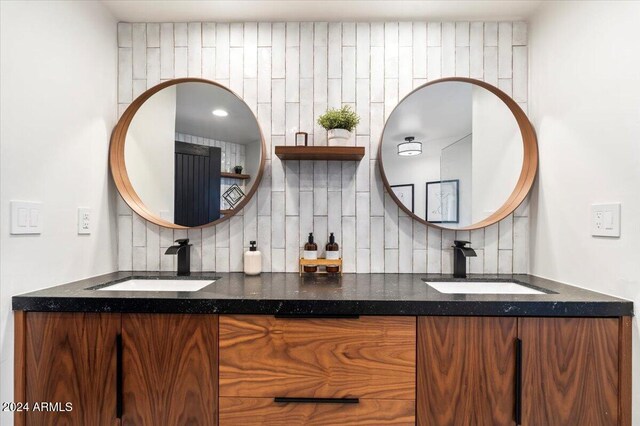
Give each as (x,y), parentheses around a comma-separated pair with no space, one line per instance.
(290,73)
(476,44)
(505,50)
(166,52)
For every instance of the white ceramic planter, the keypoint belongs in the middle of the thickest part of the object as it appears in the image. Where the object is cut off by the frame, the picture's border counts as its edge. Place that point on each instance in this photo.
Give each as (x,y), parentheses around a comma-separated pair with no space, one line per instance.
(338,137)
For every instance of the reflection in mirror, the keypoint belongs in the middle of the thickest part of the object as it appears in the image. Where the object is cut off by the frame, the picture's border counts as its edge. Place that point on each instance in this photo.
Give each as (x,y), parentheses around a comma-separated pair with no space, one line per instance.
(460,148)
(192,152)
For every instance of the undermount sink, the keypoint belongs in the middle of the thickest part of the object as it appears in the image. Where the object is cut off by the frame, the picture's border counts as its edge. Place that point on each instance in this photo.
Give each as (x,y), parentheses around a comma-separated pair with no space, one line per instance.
(138,284)
(482,287)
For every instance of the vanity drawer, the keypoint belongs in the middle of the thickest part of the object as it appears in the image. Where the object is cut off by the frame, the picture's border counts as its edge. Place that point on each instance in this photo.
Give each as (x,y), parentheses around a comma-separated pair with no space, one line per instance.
(366,357)
(265,411)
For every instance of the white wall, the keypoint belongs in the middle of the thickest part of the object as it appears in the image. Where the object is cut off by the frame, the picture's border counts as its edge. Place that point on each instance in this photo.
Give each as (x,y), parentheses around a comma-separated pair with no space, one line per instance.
(497,153)
(456,162)
(58,97)
(585,105)
(150,152)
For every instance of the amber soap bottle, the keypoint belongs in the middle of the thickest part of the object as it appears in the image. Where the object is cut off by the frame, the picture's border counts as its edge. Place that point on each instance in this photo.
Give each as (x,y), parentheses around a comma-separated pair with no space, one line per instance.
(310,252)
(333,253)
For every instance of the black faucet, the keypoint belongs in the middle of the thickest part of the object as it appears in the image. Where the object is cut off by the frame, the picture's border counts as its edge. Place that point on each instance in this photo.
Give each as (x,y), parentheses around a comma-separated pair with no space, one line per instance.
(183,250)
(460,254)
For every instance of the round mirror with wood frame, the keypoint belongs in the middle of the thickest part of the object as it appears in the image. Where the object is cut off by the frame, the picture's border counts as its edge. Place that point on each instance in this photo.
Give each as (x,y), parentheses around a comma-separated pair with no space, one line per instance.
(433,113)
(182,90)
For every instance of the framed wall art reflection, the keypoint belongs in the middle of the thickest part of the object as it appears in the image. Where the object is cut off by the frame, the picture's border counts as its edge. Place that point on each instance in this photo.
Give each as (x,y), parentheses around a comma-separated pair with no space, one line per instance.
(404,193)
(442,201)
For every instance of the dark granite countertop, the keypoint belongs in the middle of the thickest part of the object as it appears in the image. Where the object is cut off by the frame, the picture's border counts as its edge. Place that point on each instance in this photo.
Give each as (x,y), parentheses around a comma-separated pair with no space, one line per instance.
(289,294)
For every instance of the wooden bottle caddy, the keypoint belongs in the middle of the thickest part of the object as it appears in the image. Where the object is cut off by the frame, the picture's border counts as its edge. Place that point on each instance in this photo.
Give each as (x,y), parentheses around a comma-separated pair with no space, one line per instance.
(320,262)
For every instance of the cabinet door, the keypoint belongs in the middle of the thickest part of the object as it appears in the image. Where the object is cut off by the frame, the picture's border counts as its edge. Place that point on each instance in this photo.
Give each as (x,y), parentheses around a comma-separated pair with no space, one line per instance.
(170,370)
(68,358)
(466,370)
(569,371)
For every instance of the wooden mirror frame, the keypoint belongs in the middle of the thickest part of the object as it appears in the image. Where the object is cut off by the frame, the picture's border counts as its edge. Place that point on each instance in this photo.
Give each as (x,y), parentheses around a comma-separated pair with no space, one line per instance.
(529,161)
(119,170)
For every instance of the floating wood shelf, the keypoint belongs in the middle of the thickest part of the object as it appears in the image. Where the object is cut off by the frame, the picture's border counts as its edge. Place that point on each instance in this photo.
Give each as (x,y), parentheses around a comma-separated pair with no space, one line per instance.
(225,212)
(332,153)
(234,175)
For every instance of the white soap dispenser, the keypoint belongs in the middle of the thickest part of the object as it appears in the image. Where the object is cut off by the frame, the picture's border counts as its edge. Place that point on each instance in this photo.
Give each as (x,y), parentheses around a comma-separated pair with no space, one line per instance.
(252,260)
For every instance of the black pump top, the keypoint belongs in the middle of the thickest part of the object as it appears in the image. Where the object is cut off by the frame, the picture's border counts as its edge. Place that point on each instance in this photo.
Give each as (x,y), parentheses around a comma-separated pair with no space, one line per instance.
(332,239)
(252,246)
(310,237)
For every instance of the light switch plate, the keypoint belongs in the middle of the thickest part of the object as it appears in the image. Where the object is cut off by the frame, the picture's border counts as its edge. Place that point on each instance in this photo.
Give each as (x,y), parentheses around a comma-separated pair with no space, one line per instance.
(84,220)
(605,220)
(26,217)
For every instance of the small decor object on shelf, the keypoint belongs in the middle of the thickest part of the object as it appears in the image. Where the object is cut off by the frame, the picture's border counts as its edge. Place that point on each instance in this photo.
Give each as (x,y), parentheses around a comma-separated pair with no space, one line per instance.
(233,195)
(302,138)
(339,124)
(442,201)
(237,169)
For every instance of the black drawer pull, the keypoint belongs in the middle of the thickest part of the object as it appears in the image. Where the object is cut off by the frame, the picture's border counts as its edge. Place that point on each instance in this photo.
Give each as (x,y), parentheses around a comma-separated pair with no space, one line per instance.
(119,376)
(286,400)
(313,316)
(518,383)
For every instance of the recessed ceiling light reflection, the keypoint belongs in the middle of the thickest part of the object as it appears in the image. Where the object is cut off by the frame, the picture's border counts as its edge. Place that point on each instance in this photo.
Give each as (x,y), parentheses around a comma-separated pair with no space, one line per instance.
(219,113)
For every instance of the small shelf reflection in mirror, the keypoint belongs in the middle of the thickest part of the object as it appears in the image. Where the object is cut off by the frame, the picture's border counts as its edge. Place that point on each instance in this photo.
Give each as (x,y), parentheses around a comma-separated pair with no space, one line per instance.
(234,175)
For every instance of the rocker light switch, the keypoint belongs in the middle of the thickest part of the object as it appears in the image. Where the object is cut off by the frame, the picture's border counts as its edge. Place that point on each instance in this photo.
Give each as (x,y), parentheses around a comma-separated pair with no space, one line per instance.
(26,217)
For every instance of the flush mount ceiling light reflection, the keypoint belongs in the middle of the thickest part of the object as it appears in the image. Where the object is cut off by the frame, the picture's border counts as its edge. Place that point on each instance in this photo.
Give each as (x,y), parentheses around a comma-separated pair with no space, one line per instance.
(409,147)
(219,113)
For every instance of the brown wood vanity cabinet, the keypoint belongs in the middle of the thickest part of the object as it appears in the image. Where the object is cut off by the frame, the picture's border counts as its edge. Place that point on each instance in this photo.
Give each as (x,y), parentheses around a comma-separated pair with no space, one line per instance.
(317,371)
(179,369)
(117,369)
(529,371)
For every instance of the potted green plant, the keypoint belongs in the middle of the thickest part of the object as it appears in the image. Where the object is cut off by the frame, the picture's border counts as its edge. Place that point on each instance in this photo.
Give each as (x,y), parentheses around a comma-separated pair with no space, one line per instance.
(339,123)
(238,169)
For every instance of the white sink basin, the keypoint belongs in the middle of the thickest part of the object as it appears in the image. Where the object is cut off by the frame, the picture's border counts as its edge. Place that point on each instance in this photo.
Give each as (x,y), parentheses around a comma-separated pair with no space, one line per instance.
(158,285)
(478,287)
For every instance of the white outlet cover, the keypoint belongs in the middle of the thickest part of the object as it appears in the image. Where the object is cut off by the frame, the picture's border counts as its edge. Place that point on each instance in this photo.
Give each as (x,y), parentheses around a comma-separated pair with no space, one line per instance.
(26,217)
(84,221)
(605,220)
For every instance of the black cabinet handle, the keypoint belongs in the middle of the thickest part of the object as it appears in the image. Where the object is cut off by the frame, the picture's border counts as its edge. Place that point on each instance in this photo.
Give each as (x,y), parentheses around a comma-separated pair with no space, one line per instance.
(314,316)
(518,383)
(286,400)
(119,376)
